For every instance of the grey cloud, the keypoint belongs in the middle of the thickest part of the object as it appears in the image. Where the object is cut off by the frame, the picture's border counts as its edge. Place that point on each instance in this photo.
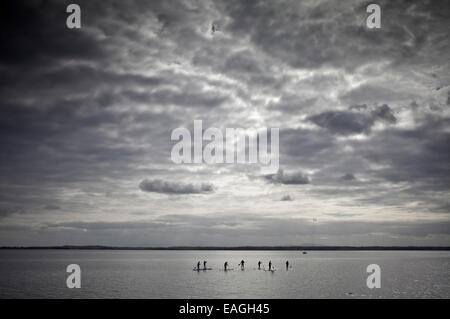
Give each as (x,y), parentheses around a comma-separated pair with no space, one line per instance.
(178,228)
(342,215)
(242,62)
(304,144)
(348,177)
(358,107)
(168,187)
(416,158)
(15,228)
(292,104)
(286,198)
(312,36)
(343,228)
(6,210)
(167,97)
(297,178)
(384,112)
(95,226)
(78,82)
(429,146)
(372,93)
(343,122)
(347,122)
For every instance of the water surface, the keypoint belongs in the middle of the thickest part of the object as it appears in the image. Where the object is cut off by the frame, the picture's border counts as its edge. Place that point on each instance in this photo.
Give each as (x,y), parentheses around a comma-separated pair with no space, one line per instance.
(169,274)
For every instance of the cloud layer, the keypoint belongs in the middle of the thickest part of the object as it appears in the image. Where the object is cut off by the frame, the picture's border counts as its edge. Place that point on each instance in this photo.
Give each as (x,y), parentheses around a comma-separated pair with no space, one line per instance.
(86,116)
(159,186)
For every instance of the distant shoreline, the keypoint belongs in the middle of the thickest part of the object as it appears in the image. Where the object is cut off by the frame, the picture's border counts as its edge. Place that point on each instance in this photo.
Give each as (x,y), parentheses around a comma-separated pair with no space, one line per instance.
(255,248)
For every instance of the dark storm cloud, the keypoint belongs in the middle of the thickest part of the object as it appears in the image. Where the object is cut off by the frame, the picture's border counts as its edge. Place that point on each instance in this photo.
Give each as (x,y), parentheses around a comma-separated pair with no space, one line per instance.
(67,119)
(168,187)
(346,123)
(316,35)
(414,163)
(88,84)
(343,122)
(9,210)
(37,34)
(430,145)
(67,138)
(417,156)
(297,178)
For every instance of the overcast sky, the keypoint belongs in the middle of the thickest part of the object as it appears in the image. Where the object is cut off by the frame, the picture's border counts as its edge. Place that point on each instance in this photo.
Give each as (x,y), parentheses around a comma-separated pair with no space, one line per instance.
(86,117)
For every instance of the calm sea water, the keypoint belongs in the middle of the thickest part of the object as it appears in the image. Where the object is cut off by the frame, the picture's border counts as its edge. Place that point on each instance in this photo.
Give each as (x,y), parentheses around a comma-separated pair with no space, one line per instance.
(169,274)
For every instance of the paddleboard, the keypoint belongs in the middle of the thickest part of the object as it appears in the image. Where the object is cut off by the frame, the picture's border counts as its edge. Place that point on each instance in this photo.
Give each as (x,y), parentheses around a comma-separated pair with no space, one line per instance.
(195,269)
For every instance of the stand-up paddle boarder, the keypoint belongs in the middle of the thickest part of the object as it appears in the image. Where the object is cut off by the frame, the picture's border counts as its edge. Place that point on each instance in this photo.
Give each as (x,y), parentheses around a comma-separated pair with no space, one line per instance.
(270,265)
(225,265)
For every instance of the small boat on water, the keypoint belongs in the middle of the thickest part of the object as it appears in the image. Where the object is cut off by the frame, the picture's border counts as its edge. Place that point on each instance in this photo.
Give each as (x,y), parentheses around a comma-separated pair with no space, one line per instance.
(304,253)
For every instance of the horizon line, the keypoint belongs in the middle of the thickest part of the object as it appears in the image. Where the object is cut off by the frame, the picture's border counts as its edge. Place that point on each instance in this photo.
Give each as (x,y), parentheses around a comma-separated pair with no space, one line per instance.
(281,247)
